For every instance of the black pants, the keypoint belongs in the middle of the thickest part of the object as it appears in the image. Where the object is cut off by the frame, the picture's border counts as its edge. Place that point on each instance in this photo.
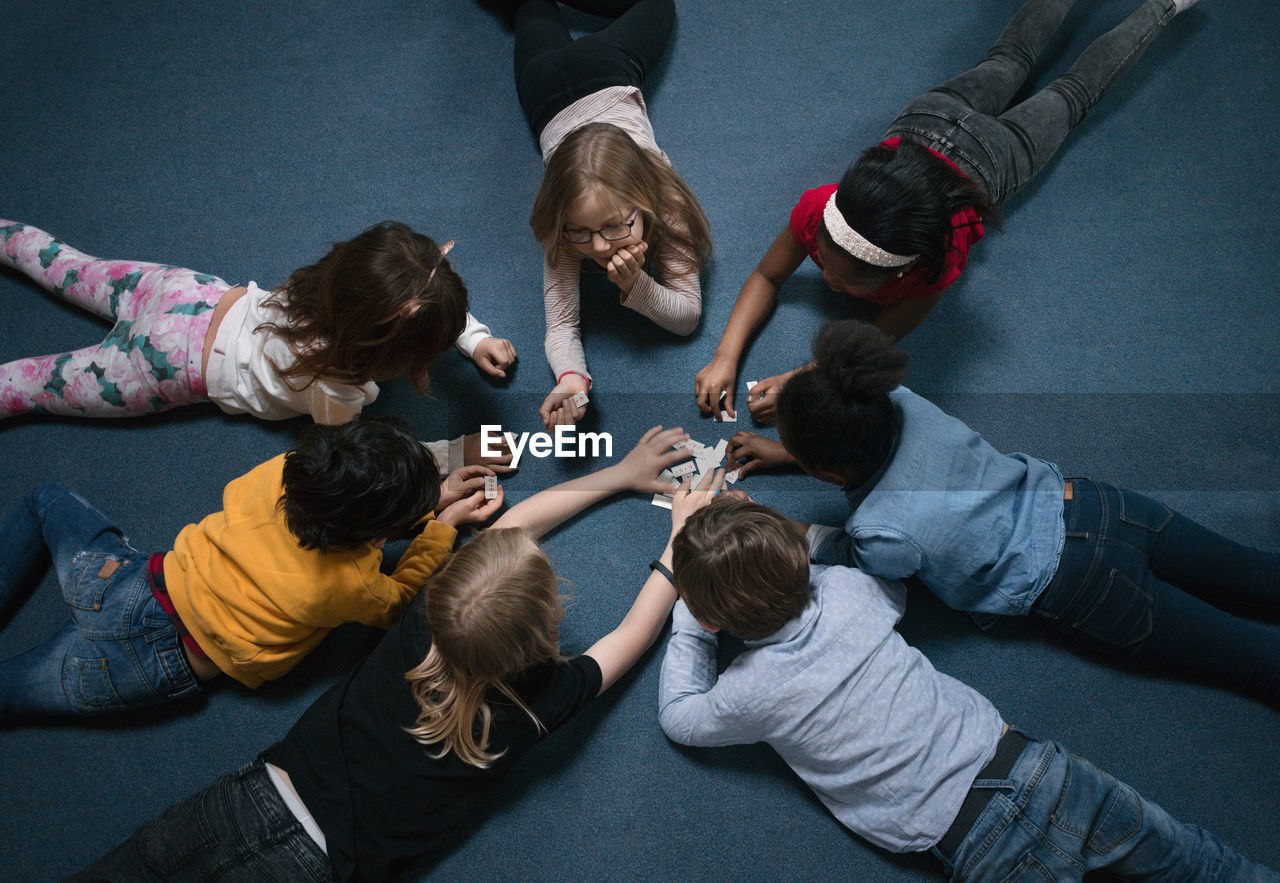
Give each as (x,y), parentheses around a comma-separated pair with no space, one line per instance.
(553,70)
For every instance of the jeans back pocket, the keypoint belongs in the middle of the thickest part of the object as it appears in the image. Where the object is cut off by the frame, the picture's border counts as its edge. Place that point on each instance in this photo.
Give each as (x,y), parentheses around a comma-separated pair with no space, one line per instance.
(1118,617)
(89,578)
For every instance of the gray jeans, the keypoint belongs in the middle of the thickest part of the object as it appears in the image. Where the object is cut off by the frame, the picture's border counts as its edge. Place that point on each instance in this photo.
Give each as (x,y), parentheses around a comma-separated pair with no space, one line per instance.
(968,118)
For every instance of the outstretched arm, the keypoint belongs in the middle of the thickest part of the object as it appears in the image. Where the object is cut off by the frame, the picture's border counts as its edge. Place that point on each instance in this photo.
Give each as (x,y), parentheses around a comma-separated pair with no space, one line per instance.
(617,651)
(755,301)
(638,471)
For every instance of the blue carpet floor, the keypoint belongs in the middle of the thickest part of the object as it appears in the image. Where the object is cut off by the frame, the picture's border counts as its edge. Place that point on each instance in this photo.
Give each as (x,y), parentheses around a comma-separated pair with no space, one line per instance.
(1124,325)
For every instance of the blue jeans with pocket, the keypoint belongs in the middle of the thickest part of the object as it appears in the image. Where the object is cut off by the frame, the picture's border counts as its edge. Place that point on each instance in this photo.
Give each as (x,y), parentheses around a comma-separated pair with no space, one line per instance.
(237,829)
(1138,580)
(1057,816)
(120,650)
(968,119)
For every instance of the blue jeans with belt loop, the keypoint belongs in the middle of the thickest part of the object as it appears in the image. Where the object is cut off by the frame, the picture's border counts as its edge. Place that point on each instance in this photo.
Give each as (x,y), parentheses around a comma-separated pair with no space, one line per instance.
(1138,580)
(120,651)
(968,118)
(1057,816)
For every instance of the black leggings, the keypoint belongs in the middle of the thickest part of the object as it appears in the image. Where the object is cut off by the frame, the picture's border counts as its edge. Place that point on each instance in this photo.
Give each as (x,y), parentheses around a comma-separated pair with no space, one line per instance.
(553,70)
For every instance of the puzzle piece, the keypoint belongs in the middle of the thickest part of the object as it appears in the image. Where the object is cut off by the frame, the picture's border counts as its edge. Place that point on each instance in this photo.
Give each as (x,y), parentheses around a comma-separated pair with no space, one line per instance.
(683,468)
(725,417)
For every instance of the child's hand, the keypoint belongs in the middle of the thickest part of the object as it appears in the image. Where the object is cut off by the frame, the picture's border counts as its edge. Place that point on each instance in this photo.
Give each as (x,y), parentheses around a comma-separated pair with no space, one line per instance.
(714,381)
(639,469)
(748,453)
(625,265)
(763,400)
(460,483)
(494,355)
(473,453)
(688,500)
(471,509)
(557,409)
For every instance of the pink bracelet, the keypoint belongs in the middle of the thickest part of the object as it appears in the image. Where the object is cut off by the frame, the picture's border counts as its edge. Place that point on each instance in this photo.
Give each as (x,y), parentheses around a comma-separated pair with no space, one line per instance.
(579,373)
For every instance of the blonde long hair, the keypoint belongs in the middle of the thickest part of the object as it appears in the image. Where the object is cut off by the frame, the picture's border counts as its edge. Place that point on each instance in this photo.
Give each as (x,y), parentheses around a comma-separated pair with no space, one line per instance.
(493,612)
(600,155)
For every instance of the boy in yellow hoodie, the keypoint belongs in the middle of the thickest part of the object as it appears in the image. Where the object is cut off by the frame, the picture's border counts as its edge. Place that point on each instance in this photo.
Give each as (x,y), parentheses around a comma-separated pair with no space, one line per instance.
(249,591)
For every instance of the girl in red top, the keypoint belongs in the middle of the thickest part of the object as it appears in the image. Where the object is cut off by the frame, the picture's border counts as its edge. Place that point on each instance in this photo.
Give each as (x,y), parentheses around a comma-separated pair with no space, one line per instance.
(897,229)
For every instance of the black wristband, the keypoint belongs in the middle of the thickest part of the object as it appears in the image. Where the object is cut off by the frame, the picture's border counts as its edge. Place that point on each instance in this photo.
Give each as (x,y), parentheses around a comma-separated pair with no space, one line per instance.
(657,565)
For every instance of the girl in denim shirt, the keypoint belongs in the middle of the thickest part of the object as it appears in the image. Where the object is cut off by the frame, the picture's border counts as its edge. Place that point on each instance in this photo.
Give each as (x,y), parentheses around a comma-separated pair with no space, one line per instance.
(1005,535)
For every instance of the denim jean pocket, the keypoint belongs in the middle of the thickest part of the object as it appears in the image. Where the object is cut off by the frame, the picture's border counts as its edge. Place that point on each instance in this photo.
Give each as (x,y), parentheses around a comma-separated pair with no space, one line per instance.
(1098,808)
(89,578)
(1120,615)
(1029,870)
(1144,512)
(88,684)
(181,839)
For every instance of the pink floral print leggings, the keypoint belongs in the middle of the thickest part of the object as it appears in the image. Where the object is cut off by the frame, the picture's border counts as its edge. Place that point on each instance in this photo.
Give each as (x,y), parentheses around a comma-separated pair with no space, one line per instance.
(150,361)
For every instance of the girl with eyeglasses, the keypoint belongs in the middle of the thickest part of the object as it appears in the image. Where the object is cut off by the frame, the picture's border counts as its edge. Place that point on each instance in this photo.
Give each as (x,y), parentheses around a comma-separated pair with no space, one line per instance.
(384,303)
(897,230)
(609,195)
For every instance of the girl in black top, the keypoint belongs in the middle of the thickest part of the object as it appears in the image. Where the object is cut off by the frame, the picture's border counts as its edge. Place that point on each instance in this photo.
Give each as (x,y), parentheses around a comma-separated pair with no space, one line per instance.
(383,764)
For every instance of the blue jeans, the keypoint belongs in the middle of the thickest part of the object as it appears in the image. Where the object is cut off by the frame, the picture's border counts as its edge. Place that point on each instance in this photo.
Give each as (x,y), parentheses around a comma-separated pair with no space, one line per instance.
(553,70)
(120,650)
(968,118)
(236,829)
(1140,581)
(1057,816)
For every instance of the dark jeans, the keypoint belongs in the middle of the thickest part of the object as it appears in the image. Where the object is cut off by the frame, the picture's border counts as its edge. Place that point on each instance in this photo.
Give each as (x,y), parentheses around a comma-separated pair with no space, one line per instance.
(968,118)
(1138,580)
(553,70)
(120,650)
(237,829)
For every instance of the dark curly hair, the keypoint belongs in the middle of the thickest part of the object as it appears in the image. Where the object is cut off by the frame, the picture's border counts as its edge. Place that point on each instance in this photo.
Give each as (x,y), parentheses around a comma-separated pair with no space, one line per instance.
(365,480)
(836,414)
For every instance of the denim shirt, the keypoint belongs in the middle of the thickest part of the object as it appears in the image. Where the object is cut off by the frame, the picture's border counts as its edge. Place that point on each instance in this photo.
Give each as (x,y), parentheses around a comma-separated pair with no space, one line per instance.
(886,742)
(983,530)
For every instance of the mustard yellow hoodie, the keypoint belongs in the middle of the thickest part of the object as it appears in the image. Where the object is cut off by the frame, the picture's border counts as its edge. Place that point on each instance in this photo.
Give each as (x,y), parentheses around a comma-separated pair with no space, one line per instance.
(256,603)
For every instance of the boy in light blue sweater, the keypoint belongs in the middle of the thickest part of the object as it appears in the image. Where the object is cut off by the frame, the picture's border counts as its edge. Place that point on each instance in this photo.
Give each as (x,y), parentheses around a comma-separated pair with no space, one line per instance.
(901,754)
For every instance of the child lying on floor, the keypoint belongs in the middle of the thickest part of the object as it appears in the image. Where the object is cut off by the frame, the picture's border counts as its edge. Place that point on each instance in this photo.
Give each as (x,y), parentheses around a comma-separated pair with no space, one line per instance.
(903,755)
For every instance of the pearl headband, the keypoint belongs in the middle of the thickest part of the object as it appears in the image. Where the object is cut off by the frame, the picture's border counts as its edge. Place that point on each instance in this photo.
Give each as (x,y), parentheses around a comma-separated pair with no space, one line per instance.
(856,244)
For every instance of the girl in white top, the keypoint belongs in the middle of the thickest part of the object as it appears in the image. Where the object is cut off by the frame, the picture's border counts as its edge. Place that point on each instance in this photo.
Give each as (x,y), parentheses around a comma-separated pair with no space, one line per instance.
(382,304)
(609,194)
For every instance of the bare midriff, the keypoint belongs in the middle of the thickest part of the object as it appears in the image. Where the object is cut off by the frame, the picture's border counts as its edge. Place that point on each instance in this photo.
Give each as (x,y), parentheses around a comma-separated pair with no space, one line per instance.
(219,313)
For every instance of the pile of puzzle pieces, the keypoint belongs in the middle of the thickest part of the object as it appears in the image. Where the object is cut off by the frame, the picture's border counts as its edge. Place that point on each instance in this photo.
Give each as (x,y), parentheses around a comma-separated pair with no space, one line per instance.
(705,460)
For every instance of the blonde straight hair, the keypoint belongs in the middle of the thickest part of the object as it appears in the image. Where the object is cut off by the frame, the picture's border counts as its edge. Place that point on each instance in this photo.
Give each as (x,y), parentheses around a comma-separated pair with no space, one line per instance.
(492,612)
(600,155)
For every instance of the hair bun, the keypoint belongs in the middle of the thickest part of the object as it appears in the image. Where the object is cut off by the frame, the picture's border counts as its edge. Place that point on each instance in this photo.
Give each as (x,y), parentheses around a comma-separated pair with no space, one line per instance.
(857,360)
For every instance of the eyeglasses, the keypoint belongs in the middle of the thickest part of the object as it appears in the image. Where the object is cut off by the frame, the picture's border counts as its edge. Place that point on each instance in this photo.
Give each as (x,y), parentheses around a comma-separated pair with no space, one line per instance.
(609,232)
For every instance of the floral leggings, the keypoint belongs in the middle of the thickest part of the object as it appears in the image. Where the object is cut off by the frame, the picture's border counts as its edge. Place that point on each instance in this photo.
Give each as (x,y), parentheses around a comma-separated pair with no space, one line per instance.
(151,359)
